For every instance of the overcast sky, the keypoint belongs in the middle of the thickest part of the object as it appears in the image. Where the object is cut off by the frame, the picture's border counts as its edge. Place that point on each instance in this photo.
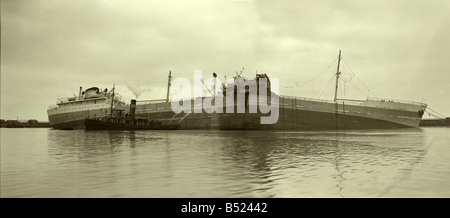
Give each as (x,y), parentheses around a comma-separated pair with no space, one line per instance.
(49,48)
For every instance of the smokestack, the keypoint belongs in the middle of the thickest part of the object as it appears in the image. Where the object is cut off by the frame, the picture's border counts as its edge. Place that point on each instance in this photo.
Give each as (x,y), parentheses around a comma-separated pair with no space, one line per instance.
(132,108)
(79,94)
(215,76)
(168,86)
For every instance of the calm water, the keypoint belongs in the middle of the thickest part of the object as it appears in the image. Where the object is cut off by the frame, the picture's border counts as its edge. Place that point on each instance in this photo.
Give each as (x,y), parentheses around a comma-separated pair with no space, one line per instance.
(54,163)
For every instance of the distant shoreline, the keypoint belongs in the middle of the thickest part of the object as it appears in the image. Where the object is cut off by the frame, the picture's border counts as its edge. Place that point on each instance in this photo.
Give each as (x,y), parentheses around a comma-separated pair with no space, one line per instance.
(32,123)
(435,122)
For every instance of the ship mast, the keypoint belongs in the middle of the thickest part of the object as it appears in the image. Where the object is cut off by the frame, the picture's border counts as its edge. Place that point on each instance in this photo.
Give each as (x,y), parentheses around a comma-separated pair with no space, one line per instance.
(337,77)
(168,86)
(112,100)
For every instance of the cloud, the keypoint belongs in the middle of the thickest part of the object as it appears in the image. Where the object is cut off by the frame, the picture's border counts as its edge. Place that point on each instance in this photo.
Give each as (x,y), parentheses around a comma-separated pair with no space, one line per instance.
(56,46)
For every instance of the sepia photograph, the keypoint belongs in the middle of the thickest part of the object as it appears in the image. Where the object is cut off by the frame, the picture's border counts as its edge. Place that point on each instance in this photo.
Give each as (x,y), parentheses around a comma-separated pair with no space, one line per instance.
(225,99)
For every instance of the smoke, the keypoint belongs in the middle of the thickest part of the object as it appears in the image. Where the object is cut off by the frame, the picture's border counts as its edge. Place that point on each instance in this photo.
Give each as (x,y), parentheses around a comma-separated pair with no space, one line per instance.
(135,90)
(138,90)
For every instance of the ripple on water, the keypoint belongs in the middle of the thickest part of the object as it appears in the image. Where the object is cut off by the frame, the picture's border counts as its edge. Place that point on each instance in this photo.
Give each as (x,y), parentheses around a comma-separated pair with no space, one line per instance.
(53,163)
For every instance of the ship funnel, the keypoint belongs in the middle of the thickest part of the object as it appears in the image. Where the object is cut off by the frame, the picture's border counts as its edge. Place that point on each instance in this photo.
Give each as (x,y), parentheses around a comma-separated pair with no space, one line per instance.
(168,86)
(79,94)
(132,108)
(215,77)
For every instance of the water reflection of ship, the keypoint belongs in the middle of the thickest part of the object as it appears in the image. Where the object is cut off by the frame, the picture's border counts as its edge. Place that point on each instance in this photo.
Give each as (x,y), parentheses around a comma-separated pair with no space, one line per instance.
(87,145)
(355,163)
(262,163)
(339,178)
(389,159)
(249,158)
(283,164)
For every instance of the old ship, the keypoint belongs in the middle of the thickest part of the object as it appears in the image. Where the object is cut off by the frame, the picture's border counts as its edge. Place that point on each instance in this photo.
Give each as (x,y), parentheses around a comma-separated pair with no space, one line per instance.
(295,113)
(71,112)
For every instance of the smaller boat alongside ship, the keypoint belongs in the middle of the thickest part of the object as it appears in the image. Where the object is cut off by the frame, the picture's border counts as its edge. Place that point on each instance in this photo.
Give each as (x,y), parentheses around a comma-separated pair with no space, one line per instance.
(118,120)
(126,124)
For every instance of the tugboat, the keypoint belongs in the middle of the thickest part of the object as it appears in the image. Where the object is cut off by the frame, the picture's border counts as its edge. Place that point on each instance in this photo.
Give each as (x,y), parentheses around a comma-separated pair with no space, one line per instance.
(118,121)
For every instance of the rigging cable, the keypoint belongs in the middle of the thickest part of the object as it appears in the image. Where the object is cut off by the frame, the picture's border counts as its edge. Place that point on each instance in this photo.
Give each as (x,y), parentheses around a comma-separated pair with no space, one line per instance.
(327,86)
(313,79)
(321,73)
(368,90)
(323,86)
(435,113)
(359,90)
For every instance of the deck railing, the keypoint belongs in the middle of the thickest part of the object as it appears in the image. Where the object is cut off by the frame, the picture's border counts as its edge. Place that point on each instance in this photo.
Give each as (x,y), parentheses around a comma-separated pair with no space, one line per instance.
(397,101)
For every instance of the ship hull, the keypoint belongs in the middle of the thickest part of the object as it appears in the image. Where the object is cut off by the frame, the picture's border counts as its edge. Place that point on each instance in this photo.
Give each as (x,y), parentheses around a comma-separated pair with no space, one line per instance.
(297,114)
(73,120)
(306,114)
(94,124)
(69,125)
(305,120)
(69,113)
(294,114)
